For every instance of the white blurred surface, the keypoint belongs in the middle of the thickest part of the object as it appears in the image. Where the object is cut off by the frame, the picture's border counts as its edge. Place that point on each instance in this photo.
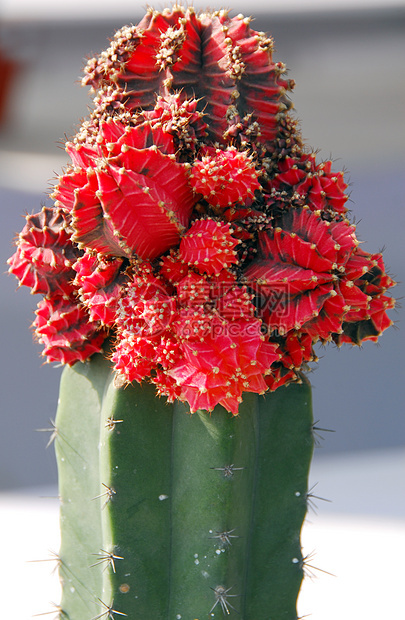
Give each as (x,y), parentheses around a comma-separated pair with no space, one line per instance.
(361,545)
(365,558)
(33,173)
(29,528)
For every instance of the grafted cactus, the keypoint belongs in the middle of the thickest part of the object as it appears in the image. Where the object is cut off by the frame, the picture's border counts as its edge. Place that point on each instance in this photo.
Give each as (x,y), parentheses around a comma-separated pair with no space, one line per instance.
(194,253)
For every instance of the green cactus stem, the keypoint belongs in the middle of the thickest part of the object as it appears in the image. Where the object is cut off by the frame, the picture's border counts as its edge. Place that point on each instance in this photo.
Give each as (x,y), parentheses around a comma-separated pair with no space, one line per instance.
(167,515)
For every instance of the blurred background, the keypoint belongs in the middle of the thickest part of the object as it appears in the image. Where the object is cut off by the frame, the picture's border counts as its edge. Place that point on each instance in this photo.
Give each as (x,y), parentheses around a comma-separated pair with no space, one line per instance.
(348,60)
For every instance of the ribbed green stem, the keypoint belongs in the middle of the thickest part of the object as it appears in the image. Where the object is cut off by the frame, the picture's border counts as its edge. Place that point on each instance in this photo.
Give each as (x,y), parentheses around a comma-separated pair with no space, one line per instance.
(77,451)
(199,515)
(135,460)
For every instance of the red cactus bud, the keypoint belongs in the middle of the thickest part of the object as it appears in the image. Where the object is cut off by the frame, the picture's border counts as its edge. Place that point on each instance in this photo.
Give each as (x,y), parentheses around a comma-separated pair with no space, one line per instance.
(172,268)
(303,259)
(147,307)
(280,375)
(304,182)
(227,363)
(209,246)
(225,177)
(181,119)
(143,320)
(219,334)
(220,61)
(367,319)
(297,349)
(130,190)
(133,357)
(45,253)
(66,332)
(100,285)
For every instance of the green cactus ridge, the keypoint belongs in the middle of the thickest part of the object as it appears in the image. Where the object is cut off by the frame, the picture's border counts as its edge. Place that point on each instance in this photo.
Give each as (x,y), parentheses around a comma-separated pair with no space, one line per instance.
(172,516)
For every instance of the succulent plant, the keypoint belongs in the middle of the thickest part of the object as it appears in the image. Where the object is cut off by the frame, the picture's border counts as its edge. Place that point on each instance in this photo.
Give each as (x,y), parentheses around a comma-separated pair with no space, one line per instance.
(195,250)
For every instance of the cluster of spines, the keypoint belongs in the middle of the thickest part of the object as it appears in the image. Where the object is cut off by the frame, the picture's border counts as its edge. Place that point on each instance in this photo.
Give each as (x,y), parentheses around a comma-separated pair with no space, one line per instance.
(216,59)
(225,177)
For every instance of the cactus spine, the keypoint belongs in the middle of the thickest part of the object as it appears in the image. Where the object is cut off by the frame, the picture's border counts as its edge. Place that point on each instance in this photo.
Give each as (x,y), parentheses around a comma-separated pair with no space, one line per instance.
(166,515)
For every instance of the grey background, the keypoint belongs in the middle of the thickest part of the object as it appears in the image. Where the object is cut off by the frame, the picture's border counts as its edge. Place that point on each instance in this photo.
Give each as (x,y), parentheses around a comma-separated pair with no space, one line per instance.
(349,70)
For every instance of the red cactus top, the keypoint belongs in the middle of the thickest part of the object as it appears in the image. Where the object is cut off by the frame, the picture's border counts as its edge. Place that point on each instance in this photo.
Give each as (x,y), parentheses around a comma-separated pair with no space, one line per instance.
(192,227)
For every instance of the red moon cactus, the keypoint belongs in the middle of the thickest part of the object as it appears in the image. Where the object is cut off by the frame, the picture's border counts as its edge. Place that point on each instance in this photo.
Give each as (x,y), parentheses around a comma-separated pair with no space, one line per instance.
(193,227)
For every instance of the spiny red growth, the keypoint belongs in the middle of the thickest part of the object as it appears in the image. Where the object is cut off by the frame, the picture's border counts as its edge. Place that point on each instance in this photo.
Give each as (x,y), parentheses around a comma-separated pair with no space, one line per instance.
(315,266)
(304,182)
(302,259)
(100,283)
(201,298)
(225,177)
(146,307)
(143,323)
(66,332)
(209,246)
(123,188)
(172,268)
(368,322)
(45,254)
(192,227)
(295,353)
(219,60)
(179,118)
(220,369)
(203,342)
(297,350)
(217,323)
